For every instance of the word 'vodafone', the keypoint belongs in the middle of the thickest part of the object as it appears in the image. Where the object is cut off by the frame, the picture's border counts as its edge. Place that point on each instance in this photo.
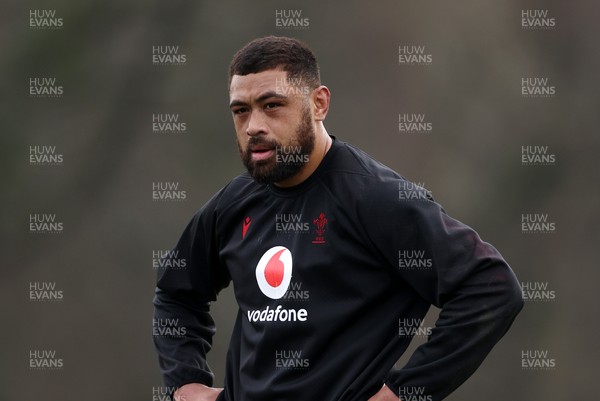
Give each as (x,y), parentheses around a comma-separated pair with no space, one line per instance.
(278,315)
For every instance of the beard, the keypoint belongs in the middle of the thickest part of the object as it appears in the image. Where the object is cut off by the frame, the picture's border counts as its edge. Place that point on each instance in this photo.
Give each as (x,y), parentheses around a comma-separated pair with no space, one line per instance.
(288,159)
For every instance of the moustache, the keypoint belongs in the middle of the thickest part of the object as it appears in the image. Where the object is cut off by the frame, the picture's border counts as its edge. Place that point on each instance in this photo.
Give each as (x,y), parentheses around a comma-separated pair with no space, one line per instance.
(256,143)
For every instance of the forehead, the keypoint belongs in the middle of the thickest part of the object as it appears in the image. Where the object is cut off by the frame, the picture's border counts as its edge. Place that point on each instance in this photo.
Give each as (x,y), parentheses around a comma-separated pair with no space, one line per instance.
(252,85)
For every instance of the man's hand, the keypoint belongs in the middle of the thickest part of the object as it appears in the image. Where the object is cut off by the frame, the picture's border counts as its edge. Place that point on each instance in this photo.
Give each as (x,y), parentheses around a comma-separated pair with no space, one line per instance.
(385,394)
(196,392)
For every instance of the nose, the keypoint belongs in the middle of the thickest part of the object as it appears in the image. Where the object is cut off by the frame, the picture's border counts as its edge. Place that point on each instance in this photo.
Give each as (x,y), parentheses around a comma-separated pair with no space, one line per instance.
(256,124)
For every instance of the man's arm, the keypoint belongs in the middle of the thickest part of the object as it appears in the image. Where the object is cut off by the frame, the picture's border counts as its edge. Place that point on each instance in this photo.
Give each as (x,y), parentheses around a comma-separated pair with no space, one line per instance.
(182,359)
(477,292)
(183,327)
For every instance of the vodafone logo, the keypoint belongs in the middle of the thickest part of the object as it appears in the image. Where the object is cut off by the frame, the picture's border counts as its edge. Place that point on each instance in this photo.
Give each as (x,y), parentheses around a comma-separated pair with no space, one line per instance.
(273,275)
(274,272)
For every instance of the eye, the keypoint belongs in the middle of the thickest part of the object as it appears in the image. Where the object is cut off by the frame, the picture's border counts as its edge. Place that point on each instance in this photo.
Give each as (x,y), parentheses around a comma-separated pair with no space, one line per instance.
(272,105)
(239,110)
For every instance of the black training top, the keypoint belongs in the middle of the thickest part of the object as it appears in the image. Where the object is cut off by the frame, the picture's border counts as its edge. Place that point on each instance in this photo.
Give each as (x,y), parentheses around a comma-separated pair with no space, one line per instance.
(333,278)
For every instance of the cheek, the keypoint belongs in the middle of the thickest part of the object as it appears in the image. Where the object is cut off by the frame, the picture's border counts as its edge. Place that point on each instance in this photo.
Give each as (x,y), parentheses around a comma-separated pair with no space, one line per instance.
(242,142)
(282,126)
(240,127)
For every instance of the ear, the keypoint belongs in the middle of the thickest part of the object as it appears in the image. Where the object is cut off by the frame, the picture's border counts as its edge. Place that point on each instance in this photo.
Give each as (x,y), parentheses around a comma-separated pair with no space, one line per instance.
(320,100)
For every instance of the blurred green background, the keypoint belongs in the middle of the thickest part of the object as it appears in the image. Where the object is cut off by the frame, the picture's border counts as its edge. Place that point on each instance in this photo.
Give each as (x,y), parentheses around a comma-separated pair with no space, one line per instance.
(102,125)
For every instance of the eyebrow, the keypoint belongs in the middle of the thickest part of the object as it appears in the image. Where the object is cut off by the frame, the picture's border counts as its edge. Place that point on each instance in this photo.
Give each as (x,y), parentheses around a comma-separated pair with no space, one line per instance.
(261,98)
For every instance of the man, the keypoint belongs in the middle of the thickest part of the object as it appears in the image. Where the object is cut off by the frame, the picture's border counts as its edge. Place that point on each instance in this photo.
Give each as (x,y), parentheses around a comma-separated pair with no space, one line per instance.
(331,255)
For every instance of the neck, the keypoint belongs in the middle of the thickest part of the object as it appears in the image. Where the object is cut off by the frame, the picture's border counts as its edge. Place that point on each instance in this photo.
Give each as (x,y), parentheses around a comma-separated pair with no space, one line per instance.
(322,144)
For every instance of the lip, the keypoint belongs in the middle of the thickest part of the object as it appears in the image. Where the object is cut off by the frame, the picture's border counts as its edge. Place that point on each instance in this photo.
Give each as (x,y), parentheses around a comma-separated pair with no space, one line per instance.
(260,153)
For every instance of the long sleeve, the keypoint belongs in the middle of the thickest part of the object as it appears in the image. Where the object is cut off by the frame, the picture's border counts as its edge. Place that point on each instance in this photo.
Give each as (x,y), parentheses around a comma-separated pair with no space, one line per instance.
(477,292)
(182,358)
(182,326)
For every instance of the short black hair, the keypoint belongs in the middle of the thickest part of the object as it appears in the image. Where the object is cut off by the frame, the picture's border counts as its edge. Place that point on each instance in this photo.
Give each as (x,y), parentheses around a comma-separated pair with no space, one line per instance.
(271,52)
